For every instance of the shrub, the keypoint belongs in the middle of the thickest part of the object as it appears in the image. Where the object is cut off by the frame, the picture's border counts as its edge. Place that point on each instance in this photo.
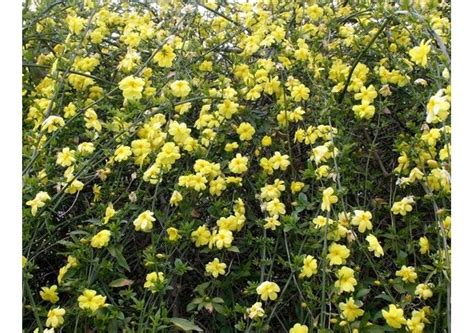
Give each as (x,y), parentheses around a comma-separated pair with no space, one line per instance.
(264,166)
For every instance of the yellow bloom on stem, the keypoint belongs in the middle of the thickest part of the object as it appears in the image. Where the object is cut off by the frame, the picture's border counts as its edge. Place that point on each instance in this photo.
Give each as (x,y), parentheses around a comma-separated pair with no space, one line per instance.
(101,239)
(201,236)
(268,290)
(132,87)
(275,207)
(374,245)
(403,206)
(153,281)
(394,316)
(216,268)
(173,234)
(310,266)
(109,213)
(300,92)
(50,294)
(55,317)
(408,274)
(366,94)
(346,280)
(38,202)
(364,110)
(362,219)
(424,245)
(221,239)
(419,54)
(180,88)
(298,328)
(238,164)
(338,254)
(245,131)
(176,198)
(66,157)
(122,153)
(165,56)
(328,199)
(144,221)
(423,291)
(255,311)
(350,310)
(91,301)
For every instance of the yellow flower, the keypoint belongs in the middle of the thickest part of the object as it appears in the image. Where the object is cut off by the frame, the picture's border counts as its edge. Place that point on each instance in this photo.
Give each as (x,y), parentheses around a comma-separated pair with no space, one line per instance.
(362,219)
(268,290)
(49,294)
(86,148)
(52,124)
(416,323)
(144,221)
(38,202)
(366,94)
(374,245)
(173,234)
(245,131)
(176,198)
(66,157)
(180,88)
(24,261)
(423,291)
(350,310)
(296,187)
(298,328)
(403,206)
(437,108)
(132,87)
(328,199)
(266,141)
(201,236)
(221,239)
(255,311)
(364,110)
(228,108)
(424,245)
(275,207)
(238,164)
(92,121)
(122,153)
(165,56)
(154,281)
(272,222)
(90,300)
(408,274)
(101,239)
(279,161)
(55,317)
(300,92)
(419,54)
(109,213)
(310,266)
(215,268)
(338,254)
(346,280)
(394,316)
(75,24)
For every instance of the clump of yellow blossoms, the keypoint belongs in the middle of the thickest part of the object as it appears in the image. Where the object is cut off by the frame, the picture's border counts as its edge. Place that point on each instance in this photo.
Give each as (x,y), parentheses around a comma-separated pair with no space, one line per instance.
(236,166)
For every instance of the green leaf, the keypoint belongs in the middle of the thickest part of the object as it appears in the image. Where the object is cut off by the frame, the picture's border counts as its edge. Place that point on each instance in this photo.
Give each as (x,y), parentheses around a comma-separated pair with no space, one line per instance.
(185,324)
(233,248)
(116,252)
(120,283)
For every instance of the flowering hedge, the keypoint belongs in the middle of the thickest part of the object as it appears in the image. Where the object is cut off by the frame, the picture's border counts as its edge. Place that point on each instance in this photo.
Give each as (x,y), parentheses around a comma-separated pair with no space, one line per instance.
(268,166)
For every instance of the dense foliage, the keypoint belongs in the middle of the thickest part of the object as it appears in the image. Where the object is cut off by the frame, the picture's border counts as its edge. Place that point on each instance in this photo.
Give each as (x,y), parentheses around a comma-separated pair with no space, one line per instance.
(263,166)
